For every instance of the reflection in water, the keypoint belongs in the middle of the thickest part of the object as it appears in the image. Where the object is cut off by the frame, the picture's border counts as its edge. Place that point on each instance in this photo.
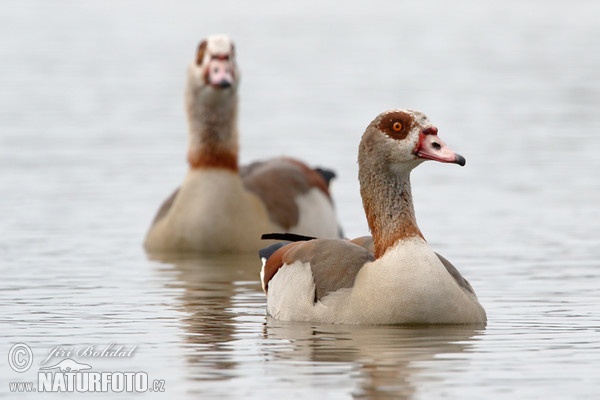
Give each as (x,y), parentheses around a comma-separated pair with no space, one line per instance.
(225,330)
(212,288)
(385,359)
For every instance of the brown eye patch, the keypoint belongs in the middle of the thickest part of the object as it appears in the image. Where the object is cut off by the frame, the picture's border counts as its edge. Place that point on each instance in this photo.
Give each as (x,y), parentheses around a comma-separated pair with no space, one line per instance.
(200,52)
(396,124)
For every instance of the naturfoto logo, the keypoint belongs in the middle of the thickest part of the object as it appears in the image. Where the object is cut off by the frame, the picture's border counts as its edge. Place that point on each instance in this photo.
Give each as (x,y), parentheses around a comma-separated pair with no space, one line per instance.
(69,375)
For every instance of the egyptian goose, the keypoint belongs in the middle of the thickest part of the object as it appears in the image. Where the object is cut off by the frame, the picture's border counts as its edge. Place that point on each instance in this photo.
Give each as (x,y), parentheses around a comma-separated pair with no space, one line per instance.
(221,207)
(396,278)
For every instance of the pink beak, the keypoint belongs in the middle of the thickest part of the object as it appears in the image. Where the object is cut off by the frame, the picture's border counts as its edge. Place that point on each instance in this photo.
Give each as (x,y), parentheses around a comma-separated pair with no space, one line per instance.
(219,73)
(430,147)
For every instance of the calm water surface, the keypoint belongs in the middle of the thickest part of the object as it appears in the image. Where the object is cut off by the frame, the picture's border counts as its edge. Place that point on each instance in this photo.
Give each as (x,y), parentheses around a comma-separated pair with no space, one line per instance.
(93,136)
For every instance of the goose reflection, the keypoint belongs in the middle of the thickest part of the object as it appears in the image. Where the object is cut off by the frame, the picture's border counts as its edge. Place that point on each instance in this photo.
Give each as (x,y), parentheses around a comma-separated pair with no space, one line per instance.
(217,291)
(386,361)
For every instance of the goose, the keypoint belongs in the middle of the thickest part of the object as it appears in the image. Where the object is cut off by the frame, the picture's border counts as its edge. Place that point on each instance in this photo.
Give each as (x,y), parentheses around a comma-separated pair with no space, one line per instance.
(393,277)
(222,207)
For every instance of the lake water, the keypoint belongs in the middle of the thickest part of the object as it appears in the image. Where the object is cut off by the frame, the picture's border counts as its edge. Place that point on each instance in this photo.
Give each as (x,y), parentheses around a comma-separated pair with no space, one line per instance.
(93,137)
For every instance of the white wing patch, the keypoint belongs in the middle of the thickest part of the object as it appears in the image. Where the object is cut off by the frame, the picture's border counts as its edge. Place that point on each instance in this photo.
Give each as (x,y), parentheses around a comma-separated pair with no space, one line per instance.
(291,293)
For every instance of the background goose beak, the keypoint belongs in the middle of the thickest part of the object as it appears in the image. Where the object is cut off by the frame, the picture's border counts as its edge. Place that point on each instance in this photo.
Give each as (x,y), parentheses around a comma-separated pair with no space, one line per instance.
(219,73)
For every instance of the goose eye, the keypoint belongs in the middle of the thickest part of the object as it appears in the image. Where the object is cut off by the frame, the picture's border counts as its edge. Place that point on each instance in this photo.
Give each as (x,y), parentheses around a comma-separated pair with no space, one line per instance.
(396,124)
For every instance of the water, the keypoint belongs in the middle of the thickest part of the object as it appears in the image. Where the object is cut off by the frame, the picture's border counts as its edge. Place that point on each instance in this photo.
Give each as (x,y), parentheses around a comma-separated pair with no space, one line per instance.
(93,138)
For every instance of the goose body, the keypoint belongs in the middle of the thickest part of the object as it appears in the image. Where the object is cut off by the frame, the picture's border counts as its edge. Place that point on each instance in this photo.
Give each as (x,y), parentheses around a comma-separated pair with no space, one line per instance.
(395,277)
(220,206)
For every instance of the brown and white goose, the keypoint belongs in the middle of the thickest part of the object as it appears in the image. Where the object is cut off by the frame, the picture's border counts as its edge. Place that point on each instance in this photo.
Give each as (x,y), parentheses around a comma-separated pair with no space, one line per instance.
(396,278)
(223,208)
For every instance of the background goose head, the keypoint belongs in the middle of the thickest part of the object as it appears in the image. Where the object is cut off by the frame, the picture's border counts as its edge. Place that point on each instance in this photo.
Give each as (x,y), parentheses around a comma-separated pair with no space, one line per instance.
(214,74)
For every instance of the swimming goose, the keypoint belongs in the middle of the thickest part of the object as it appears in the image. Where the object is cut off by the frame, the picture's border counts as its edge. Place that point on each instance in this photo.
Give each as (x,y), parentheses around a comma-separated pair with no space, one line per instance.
(221,207)
(395,278)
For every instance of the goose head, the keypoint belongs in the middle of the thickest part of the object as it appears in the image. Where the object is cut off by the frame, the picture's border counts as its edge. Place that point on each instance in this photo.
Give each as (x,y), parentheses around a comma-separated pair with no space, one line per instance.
(214,74)
(403,139)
